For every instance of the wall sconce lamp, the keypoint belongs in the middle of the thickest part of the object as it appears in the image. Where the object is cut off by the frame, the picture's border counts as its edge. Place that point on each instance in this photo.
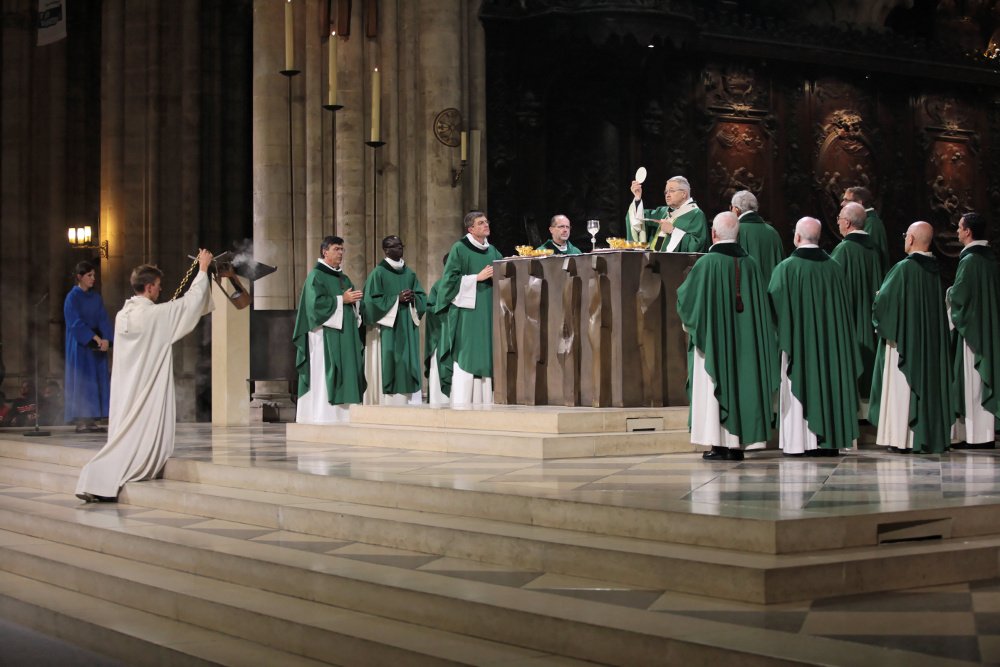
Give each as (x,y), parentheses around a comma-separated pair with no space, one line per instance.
(82,237)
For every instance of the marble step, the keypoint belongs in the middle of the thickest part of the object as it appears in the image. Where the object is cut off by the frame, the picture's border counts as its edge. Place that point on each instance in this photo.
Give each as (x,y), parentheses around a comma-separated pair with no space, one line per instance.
(726,527)
(287,624)
(538,621)
(132,636)
(727,574)
(495,442)
(547,419)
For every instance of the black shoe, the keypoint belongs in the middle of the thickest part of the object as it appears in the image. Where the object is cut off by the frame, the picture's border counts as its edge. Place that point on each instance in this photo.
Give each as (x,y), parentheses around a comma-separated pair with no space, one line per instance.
(735,454)
(973,445)
(793,456)
(894,450)
(91,498)
(823,452)
(716,454)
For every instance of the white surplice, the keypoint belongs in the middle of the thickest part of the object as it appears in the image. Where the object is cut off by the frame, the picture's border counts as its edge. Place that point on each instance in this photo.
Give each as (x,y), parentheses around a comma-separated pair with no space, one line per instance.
(143,410)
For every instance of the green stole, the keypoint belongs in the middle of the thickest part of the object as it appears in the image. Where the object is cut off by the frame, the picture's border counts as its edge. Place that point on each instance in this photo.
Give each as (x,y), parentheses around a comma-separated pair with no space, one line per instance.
(975,312)
(814,325)
(909,310)
(863,274)
(343,348)
(739,346)
(570,248)
(400,343)
(467,337)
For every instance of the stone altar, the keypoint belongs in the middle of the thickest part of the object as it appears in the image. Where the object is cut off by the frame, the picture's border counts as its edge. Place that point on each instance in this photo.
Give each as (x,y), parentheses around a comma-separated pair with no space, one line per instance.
(598,329)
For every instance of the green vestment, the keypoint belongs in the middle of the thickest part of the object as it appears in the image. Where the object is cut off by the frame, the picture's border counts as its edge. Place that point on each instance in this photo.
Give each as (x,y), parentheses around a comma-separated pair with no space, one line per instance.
(739,347)
(344,348)
(876,230)
(909,310)
(863,275)
(434,332)
(570,248)
(400,343)
(815,328)
(975,312)
(692,222)
(467,336)
(761,241)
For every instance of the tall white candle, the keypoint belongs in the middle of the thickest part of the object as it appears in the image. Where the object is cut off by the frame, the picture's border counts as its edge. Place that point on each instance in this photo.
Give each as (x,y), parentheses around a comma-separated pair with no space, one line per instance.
(289,38)
(331,85)
(376,105)
(465,146)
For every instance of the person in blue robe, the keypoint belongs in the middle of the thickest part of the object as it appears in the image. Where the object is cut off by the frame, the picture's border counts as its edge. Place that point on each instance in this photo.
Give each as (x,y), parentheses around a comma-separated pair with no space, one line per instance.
(89,336)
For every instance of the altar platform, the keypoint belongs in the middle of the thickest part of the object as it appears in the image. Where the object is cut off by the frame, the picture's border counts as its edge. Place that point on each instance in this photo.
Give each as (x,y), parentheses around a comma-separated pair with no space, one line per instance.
(258,548)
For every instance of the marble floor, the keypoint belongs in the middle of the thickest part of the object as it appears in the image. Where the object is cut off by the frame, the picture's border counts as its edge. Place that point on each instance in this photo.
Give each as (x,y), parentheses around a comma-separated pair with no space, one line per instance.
(960,622)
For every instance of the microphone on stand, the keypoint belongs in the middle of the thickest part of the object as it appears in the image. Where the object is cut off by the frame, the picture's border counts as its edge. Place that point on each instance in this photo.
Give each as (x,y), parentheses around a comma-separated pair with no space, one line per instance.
(36,432)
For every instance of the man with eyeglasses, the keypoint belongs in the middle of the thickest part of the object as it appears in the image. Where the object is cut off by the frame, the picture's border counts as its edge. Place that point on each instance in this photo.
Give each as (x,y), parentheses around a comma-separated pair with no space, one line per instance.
(680,226)
(911,389)
(559,229)
(466,294)
(873,224)
(391,307)
(863,271)
(329,346)
(974,302)
(758,238)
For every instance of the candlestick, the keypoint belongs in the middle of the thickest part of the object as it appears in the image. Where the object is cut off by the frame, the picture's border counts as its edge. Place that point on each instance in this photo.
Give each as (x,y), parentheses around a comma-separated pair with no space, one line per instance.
(376,105)
(464,151)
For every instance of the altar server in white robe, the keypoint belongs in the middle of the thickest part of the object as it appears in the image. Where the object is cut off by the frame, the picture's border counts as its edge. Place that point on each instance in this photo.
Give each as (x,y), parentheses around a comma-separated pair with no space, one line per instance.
(141,422)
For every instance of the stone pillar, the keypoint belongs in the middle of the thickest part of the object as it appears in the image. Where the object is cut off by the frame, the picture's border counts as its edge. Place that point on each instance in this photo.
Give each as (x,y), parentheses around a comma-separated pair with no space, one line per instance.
(230,361)
(272,209)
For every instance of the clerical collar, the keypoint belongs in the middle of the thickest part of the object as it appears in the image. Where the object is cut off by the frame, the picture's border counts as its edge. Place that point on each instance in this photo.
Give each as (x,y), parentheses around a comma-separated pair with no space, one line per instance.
(808,245)
(980,242)
(869,209)
(745,213)
(473,241)
(857,231)
(722,241)
(324,263)
(925,253)
(560,248)
(394,264)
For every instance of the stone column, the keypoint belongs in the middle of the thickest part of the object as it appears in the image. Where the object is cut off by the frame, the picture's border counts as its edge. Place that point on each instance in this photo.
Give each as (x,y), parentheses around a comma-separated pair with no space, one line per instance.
(271,181)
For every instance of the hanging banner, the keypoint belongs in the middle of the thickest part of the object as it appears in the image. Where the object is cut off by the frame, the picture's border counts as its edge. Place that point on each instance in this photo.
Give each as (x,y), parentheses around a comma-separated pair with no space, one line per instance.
(51,21)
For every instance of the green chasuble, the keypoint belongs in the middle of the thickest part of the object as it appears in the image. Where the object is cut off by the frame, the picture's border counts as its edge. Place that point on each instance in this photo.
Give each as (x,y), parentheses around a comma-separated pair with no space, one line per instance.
(345,376)
(761,241)
(570,248)
(433,333)
(467,336)
(876,230)
(909,309)
(401,342)
(688,218)
(740,349)
(975,312)
(863,274)
(815,328)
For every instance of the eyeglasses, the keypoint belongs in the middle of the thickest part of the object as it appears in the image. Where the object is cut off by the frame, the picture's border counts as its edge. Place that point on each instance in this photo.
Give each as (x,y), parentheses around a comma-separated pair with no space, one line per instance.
(670,192)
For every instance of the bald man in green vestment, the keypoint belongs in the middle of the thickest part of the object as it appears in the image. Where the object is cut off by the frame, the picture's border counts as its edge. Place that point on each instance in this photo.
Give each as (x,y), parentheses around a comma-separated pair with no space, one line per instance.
(732,351)
(861,261)
(911,389)
(820,363)
(758,238)
(974,302)
(874,226)
(680,226)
